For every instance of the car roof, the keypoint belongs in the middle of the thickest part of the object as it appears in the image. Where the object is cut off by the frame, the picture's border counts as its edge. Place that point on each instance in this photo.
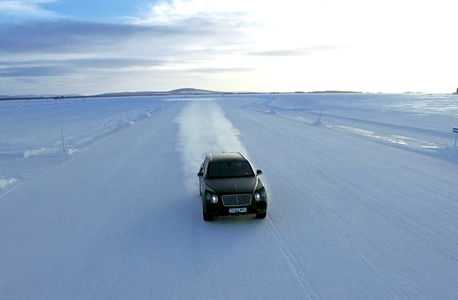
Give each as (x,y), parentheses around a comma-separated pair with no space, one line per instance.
(225,156)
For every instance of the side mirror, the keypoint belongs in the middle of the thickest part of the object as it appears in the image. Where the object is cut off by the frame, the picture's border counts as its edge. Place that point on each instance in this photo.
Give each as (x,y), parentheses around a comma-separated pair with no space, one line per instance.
(200,174)
(258,172)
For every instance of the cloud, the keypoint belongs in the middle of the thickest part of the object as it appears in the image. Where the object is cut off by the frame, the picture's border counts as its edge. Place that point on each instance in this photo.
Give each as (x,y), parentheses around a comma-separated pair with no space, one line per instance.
(295,52)
(115,63)
(69,35)
(253,43)
(39,71)
(44,68)
(220,70)
(172,12)
(66,47)
(66,35)
(65,51)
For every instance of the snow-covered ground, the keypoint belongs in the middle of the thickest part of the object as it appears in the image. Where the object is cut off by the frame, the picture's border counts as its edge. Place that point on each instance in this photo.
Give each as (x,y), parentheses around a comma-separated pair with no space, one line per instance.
(363,198)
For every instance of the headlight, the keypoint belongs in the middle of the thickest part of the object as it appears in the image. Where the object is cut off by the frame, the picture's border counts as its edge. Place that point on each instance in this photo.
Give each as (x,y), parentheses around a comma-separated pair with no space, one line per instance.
(260,195)
(257,196)
(211,198)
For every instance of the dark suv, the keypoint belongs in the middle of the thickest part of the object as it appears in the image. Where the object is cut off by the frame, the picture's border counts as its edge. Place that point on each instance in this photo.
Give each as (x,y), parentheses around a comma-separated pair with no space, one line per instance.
(229,186)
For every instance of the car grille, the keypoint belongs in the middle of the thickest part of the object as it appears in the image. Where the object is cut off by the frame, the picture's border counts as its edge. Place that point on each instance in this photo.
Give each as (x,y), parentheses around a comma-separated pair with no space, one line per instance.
(236,200)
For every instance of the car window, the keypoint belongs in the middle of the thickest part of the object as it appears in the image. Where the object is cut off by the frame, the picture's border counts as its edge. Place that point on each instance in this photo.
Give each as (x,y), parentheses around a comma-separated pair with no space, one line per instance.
(226,169)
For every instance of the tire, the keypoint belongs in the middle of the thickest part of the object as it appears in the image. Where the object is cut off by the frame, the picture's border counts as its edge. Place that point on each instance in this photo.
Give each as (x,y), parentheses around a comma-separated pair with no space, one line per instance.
(207,218)
(261,216)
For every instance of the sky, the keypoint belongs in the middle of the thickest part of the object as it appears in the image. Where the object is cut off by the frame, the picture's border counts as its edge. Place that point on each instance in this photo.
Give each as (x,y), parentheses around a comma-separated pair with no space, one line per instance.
(92,47)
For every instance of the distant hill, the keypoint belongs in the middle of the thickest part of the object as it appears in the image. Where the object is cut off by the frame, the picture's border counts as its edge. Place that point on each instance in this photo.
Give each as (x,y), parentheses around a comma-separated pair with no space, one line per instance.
(192,91)
(184,91)
(29,97)
(178,92)
(334,92)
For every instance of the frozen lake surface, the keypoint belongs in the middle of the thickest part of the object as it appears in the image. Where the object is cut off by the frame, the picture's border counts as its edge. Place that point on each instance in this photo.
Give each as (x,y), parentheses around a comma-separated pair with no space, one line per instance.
(362,189)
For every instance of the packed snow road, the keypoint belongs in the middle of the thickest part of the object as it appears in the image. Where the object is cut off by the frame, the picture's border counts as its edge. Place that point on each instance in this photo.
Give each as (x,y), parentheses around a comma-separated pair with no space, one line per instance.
(349,218)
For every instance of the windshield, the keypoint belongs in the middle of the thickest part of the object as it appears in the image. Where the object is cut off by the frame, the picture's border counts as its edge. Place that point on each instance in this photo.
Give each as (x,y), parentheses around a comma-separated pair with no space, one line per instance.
(226,169)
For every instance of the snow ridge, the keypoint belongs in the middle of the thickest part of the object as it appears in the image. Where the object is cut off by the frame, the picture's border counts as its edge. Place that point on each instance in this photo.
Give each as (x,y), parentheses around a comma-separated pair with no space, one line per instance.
(5,182)
(371,122)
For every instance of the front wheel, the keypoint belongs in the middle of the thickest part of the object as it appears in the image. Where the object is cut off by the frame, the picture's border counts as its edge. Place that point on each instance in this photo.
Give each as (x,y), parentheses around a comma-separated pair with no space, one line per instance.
(207,217)
(261,216)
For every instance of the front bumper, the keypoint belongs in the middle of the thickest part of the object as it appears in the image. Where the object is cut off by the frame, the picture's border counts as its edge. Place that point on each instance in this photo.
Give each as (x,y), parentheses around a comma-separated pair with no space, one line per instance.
(218,209)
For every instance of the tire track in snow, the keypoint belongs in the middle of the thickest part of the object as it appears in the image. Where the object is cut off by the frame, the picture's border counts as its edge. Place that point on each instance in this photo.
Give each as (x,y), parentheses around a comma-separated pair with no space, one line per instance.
(301,274)
(349,241)
(204,128)
(407,222)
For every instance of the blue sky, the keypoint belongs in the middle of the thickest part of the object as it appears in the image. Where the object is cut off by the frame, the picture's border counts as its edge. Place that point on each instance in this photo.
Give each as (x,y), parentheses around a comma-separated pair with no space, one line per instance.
(90,47)
(81,9)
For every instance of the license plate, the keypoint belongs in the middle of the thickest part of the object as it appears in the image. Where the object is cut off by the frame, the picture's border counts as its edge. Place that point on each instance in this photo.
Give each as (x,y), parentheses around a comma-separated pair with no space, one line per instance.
(237,210)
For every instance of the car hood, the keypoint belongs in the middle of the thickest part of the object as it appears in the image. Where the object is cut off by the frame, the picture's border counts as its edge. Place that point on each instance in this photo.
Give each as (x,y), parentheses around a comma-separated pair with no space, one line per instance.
(233,185)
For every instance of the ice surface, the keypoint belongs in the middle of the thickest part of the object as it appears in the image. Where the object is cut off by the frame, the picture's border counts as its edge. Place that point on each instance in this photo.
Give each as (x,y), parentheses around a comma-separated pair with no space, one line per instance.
(363,203)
